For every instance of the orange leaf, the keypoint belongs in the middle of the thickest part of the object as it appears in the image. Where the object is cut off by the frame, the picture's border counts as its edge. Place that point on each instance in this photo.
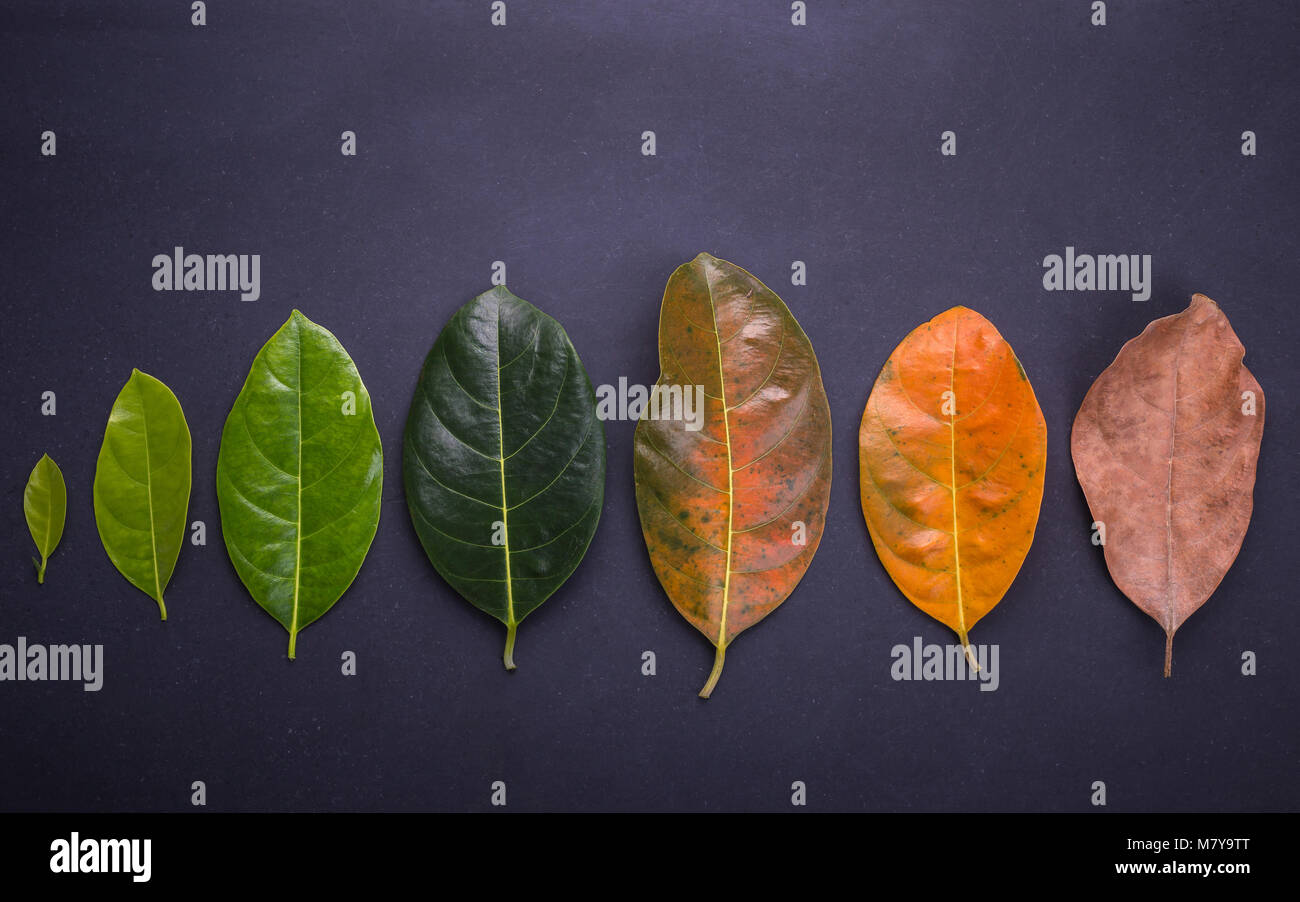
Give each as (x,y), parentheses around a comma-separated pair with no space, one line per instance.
(952,453)
(732,512)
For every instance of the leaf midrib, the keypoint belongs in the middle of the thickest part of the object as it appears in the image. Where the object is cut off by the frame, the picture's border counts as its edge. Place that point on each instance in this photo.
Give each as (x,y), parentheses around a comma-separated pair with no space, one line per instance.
(49,512)
(501,464)
(952,464)
(726,436)
(297,552)
(1170,594)
(148,488)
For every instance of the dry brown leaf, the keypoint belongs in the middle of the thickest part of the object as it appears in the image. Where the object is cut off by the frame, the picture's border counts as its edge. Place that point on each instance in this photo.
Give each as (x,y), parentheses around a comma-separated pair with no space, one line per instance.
(1165,447)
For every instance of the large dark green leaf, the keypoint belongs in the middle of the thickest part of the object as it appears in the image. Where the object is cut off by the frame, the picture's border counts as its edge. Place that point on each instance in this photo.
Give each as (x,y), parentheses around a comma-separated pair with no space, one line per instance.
(504,457)
(45,503)
(142,484)
(299,475)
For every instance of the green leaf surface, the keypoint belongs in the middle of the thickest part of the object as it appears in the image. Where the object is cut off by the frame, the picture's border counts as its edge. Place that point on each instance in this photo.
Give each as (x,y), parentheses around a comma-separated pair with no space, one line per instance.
(45,502)
(504,457)
(299,475)
(142,484)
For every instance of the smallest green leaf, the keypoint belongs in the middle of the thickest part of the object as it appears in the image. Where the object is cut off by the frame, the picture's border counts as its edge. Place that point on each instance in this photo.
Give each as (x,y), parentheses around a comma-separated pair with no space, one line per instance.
(45,502)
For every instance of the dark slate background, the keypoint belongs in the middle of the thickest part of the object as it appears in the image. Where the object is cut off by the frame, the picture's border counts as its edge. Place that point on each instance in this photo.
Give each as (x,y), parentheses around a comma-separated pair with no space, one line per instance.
(775,143)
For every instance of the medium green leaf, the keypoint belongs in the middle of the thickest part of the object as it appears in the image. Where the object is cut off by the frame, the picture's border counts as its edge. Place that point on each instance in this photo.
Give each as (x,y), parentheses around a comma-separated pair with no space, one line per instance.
(504,457)
(45,502)
(142,484)
(299,475)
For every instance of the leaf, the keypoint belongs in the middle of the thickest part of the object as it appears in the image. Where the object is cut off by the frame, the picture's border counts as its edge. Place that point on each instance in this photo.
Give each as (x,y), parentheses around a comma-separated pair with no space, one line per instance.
(45,503)
(1165,449)
(721,506)
(142,484)
(299,475)
(952,451)
(504,457)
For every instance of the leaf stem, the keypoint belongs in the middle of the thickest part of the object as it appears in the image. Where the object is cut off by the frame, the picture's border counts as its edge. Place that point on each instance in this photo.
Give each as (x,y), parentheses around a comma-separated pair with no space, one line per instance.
(162,608)
(293,644)
(970,655)
(1169,651)
(509,656)
(717,670)
(40,569)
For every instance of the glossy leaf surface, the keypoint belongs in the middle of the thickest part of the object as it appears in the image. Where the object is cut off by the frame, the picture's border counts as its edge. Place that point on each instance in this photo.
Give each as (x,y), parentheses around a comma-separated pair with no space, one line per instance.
(1165,446)
(45,504)
(504,457)
(732,512)
(952,453)
(299,475)
(142,484)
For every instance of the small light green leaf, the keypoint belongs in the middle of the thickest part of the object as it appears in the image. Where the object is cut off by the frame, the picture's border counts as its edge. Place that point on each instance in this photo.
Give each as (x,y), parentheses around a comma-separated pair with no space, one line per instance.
(504,457)
(142,484)
(299,475)
(45,502)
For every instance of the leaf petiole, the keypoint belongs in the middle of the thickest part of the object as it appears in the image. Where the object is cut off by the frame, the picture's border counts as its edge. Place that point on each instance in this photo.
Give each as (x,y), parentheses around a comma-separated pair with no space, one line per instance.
(716,672)
(509,656)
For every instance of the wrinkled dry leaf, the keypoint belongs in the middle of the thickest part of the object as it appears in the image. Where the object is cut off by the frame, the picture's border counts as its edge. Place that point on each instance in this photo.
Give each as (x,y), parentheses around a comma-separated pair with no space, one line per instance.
(1165,447)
